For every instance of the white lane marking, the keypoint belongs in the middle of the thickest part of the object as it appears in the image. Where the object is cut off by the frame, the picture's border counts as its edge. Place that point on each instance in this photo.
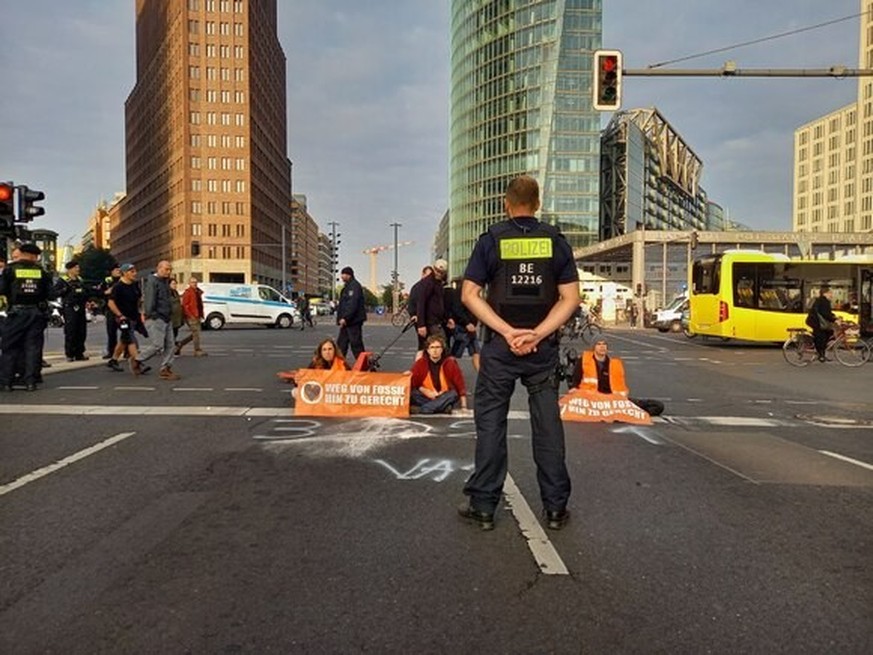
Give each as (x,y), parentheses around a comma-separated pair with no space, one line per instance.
(133,388)
(745,421)
(193,389)
(78,388)
(544,553)
(762,402)
(256,389)
(61,463)
(802,402)
(639,431)
(847,459)
(694,400)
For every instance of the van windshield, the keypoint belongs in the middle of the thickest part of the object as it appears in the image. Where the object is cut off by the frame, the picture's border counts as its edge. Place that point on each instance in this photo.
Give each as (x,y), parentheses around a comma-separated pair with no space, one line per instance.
(677,303)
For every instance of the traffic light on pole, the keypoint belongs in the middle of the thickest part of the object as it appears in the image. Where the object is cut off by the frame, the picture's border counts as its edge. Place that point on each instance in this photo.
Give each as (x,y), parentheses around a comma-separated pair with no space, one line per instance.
(607,80)
(27,209)
(7,203)
(694,240)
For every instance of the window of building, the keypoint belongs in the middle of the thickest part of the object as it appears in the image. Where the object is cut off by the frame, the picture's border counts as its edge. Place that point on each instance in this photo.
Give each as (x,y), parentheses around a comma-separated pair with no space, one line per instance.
(194,72)
(211,140)
(225,208)
(194,49)
(237,6)
(210,5)
(193,5)
(240,120)
(239,97)
(238,52)
(196,229)
(240,164)
(225,230)
(211,207)
(240,186)
(212,163)
(225,51)
(212,186)
(194,118)
(240,230)
(196,207)
(225,186)
(212,230)
(196,185)
(193,27)
(225,29)
(238,29)
(239,75)
(210,27)
(195,162)
(210,51)
(195,141)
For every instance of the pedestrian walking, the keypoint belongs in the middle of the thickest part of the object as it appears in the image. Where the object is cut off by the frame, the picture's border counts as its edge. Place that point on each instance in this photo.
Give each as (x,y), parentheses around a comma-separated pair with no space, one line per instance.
(305,309)
(350,315)
(158,312)
(25,289)
(533,288)
(177,317)
(71,290)
(111,324)
(123,305)
(192,307)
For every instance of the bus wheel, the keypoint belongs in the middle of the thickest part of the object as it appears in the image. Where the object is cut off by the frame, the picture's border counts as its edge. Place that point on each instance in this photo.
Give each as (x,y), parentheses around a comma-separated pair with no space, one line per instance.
(688,333)
(215,321)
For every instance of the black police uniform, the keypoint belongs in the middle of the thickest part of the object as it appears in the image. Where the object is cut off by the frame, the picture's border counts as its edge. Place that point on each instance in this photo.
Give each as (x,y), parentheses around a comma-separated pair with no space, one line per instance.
(73,295)
(351,308)
(27,288)
(521,262)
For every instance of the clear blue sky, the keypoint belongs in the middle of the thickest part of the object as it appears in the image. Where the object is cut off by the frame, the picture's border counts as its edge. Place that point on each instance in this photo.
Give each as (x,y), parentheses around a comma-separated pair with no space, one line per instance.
(368,104)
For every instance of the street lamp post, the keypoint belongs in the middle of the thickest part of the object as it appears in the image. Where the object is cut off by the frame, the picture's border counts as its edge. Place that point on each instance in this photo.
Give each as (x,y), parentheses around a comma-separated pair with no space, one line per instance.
(333,258)
(395,277)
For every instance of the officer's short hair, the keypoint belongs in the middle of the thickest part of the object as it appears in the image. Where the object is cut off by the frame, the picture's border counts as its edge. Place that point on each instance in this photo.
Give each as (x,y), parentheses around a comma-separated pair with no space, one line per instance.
(523,190)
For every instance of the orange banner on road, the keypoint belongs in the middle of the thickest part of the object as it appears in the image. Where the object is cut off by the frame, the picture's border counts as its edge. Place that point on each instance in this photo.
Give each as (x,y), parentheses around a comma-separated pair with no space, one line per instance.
(351,393)
(592,407)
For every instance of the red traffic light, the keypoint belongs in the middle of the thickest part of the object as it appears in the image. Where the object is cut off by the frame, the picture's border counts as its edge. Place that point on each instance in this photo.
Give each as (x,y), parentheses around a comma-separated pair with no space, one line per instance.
(6,191)
(608,64)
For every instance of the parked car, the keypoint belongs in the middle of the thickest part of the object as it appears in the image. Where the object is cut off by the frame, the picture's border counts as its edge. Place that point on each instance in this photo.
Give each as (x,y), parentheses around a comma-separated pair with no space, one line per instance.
(669,319)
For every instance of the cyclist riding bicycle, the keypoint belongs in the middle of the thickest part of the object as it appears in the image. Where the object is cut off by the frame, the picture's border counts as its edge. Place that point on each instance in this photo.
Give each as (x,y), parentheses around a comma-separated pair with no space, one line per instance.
(821,319)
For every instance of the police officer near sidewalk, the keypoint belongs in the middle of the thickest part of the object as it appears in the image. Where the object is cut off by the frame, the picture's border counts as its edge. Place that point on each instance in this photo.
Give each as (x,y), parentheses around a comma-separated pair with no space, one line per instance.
(532,287)
(71,290)
(25,289)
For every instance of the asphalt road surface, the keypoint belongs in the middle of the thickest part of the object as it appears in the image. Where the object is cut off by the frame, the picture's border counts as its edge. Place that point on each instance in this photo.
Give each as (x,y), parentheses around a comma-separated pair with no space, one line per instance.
(201,516)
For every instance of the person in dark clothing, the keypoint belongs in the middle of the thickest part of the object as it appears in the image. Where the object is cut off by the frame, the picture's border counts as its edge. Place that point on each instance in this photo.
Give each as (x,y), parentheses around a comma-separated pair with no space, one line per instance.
(25,289)
(71,290)
(820,320)
(466,330)
(430,310)
(350,315)
(532,287)
(111,324)
(412,304)
(305,309)
(123,306)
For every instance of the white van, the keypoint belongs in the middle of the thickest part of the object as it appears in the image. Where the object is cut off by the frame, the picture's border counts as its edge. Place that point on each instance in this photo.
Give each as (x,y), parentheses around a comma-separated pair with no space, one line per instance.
(669,319)
(246,303)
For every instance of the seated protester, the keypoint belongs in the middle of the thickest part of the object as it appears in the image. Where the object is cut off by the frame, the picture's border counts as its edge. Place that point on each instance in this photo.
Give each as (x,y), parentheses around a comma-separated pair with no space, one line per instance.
(597,371)
(437,383)
(324,359)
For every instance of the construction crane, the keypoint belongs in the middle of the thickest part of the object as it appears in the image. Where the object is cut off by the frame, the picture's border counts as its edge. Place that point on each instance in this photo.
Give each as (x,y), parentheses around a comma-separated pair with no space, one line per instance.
(375,250)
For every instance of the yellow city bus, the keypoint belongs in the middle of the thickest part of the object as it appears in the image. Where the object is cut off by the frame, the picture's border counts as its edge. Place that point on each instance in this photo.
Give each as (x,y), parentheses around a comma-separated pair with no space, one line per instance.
(758,296)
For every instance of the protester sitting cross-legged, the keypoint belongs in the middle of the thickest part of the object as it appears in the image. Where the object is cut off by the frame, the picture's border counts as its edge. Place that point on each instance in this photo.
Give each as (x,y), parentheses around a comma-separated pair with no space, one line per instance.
(600,372)
(326,358)
(437,383)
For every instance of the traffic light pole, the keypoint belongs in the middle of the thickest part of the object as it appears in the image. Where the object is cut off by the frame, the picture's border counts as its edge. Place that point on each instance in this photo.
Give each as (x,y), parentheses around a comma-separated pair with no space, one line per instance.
(395,278)
(333,260)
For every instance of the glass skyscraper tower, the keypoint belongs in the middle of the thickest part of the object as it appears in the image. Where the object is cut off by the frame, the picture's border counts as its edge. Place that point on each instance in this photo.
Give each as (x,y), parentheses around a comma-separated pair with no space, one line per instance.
(521,104)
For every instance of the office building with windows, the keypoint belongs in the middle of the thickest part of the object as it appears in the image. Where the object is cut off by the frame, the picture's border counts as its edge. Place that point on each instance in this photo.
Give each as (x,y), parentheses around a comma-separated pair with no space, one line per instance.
(208,177)
(521,103)
(833,157)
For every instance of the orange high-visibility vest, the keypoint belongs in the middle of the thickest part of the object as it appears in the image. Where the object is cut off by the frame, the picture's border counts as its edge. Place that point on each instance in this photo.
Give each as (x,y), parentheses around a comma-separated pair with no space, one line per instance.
(589,374)
(428,381)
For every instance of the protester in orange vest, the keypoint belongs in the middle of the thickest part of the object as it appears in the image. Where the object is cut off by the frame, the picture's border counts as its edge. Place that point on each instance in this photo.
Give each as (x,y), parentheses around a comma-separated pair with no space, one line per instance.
(599,372)
(324,359)
(437,383)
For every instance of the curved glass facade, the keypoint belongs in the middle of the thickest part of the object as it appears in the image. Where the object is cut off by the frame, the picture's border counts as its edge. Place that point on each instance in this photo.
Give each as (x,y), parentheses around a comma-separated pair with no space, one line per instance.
(521,103)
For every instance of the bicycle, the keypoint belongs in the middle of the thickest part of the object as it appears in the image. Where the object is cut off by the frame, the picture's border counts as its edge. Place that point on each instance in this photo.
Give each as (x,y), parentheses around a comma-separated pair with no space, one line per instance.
(581,327)
(400,318)
(846,346)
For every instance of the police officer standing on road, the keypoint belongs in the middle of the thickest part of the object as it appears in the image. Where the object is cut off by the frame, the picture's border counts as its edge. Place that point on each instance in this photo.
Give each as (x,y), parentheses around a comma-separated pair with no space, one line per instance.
(24,289)
(532,289)
(351,315)
(71,290)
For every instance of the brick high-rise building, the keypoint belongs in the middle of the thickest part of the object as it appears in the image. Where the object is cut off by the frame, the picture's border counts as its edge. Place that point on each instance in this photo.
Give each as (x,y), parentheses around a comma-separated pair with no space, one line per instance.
(208,177)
